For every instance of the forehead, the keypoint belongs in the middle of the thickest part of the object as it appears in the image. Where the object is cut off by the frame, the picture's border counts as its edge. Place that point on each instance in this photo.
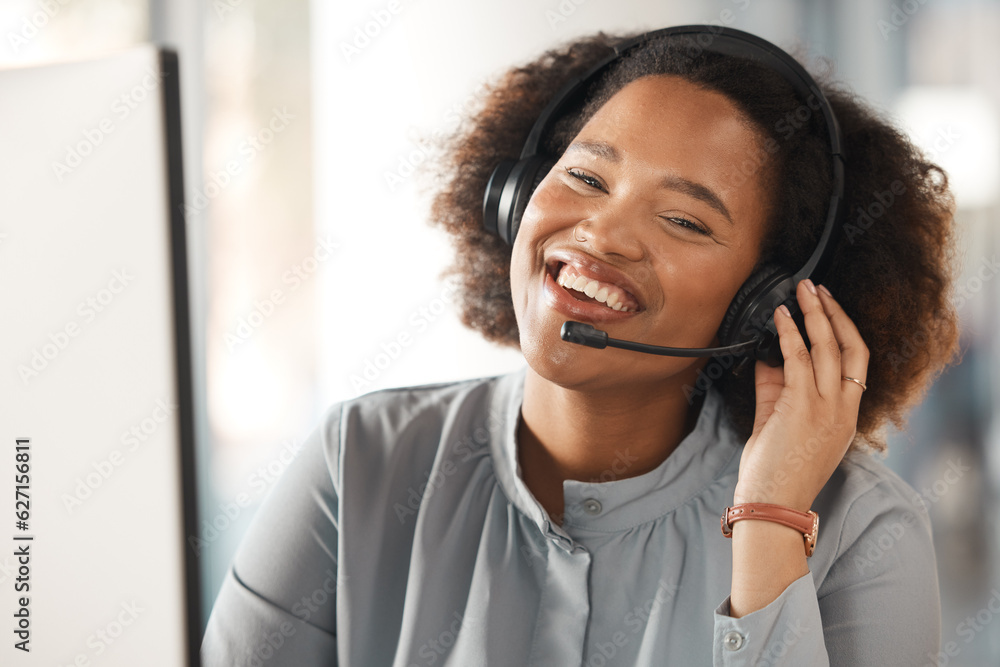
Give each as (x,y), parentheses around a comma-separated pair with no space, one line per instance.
(668,108)
(665,125)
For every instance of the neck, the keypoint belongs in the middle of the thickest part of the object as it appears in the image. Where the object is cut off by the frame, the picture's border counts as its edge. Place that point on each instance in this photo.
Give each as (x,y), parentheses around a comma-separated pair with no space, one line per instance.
(599,435)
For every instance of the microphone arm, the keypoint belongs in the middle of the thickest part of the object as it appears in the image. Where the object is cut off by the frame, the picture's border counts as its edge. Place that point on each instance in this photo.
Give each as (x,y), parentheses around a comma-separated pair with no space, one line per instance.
(586,334)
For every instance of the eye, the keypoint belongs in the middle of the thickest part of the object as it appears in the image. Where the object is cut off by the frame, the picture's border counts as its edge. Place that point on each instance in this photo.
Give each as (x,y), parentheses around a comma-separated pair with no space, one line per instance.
(590,181)
(687,224)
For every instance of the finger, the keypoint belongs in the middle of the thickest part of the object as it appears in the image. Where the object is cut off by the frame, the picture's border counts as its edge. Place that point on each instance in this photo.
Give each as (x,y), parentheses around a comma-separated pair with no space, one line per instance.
(825,348)
(853,351)
(768,381)
(799,373)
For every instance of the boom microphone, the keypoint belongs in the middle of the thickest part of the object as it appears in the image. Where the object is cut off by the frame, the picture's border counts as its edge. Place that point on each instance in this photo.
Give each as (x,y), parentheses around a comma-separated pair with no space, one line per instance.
(586,334)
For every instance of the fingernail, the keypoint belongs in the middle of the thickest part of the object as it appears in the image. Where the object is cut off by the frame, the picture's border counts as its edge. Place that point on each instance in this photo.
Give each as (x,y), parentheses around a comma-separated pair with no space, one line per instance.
(810,286)
(784,310)
(825,290)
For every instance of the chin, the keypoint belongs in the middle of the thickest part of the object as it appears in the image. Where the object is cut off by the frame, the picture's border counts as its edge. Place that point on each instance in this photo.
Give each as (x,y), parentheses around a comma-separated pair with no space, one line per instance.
(575,366)
(552,358)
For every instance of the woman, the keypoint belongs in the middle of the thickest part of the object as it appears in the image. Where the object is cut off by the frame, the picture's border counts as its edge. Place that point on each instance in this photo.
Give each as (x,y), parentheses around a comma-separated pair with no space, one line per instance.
(569,513)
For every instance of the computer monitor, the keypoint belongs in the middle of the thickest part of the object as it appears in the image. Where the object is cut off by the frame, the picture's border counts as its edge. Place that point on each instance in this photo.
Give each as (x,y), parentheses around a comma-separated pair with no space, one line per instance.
(96,435)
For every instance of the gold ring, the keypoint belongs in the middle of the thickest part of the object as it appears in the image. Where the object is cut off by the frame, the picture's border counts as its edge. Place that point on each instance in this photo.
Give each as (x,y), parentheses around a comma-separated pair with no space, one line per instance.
(856,381)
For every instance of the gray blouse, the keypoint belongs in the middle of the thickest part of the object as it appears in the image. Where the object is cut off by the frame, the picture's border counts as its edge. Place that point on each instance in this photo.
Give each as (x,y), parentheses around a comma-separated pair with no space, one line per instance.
(403,535)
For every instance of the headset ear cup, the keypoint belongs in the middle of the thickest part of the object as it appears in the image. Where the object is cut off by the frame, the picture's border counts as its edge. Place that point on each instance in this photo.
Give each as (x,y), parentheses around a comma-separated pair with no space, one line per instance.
(508,193)
(534,170)
(494,193)
(729,330)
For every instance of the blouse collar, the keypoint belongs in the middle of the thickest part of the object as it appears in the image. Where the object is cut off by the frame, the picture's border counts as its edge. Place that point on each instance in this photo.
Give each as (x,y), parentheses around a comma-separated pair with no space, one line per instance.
(709,451)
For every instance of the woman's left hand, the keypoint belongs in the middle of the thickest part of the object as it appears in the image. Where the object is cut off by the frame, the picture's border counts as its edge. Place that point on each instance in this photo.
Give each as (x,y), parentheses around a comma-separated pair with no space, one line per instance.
(806,413)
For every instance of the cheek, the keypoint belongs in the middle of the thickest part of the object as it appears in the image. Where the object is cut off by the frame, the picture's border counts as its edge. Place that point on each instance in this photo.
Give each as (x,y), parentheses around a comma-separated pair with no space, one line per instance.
(518,275)
(542,209)
(698,291)
(539,222)
(522,267)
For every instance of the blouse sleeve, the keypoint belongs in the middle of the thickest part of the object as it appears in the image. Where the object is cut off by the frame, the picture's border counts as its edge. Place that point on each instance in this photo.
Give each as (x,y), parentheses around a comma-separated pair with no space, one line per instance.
(278,602)
(879,603)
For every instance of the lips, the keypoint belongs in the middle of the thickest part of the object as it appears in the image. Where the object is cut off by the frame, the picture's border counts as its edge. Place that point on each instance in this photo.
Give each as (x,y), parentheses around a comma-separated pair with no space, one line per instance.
(584,289)
(581,287)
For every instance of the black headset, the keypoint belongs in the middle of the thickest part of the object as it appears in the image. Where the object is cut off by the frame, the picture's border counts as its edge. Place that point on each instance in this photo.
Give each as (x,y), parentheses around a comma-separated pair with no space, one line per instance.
(749,323)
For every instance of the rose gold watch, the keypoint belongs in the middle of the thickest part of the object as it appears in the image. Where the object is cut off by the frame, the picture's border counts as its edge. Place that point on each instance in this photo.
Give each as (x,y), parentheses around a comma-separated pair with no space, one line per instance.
(806,523)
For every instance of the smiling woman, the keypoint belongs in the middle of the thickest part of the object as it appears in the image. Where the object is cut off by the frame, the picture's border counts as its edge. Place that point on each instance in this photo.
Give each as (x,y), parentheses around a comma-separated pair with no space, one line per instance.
(569,513)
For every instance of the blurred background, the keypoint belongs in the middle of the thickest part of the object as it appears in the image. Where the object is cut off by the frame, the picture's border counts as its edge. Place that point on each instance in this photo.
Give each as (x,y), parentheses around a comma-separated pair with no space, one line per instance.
(315,277)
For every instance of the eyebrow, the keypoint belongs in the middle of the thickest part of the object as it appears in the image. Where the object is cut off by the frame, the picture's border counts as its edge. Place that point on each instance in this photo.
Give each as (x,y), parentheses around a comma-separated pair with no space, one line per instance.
(670,181)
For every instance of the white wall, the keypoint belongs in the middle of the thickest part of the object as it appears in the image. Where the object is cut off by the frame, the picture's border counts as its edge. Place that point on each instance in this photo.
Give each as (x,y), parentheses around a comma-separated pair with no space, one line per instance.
(421,65)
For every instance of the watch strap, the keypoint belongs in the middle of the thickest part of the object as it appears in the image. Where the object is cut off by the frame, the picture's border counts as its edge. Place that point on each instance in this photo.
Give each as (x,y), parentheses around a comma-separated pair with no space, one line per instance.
(806,523)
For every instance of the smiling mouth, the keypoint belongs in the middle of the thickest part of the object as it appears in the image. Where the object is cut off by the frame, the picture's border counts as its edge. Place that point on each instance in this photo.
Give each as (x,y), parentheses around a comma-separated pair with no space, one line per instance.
(589,290)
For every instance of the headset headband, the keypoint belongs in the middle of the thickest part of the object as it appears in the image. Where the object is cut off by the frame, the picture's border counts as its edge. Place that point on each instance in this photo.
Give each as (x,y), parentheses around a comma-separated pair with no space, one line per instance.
(731,42)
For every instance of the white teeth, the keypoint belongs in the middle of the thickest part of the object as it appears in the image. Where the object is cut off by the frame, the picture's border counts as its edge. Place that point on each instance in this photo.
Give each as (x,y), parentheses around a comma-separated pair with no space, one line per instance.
(609,296)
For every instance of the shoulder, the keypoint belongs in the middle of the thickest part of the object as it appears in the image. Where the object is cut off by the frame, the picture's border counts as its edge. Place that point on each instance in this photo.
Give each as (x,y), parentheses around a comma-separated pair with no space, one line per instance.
(874,522)
(876,571)
(865,488)
(405,425)
(400,409)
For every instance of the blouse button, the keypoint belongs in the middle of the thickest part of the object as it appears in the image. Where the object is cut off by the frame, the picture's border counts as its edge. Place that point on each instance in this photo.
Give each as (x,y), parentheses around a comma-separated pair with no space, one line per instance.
(592,506)
(733,641)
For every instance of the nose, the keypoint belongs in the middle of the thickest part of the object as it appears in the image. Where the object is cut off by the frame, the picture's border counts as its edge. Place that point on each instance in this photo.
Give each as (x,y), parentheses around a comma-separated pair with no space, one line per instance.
(610,232)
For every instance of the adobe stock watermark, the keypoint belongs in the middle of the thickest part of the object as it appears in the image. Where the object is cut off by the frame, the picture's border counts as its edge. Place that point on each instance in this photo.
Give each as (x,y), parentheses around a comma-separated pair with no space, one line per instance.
(44,355)
(218,180)
(108,634)
(121,108)
(697,43)
(406,165)
(967,629)
(294,277)
(271,642)
(131,440)
(617,469)
(224,8)
(988,268)
(589,506)
(379,20)
(964,293)
(562,12)
(796,458)
(719,364)
(419,321)
(8,568)
(875,547)
(259,481)
(435,648)
(785,127)
(566,8)
(883,200)
(32,25)
(778,648)
(712,371)
(866,217)
(899,15)
(944,139)
(461,451)
(635,620)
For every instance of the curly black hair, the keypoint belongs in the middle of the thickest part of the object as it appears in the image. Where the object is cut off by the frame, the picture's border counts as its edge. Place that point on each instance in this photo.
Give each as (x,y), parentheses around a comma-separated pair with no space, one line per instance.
(893,268)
